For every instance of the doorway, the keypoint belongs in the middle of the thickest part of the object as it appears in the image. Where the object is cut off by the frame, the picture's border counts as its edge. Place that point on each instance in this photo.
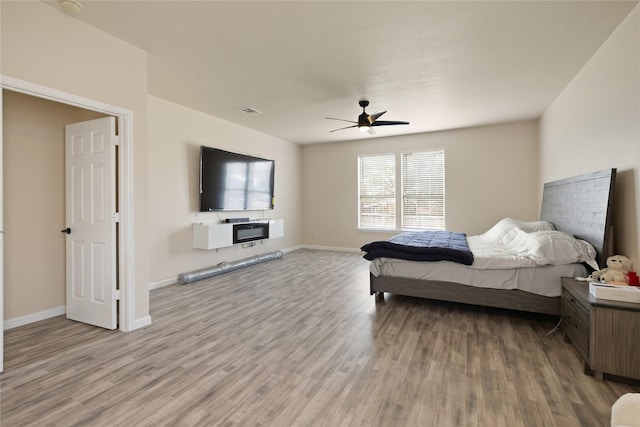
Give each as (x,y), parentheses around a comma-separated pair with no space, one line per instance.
(35,205)
(124,182)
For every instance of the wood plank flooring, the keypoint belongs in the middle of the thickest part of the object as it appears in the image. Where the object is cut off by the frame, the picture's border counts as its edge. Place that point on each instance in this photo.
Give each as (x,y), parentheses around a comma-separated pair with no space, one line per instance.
(300,342)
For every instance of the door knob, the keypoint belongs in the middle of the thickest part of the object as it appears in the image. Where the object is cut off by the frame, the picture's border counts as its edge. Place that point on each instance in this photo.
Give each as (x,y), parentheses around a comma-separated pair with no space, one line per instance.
(66,230)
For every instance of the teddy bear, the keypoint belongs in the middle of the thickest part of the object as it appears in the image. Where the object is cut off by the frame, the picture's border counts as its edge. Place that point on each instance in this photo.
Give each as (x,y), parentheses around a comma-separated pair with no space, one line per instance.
(616,271)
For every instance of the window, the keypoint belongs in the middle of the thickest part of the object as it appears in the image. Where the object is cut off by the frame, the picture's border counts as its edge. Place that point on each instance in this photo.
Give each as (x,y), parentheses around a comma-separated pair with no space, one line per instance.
(420,200)
(377,175)
(423,190)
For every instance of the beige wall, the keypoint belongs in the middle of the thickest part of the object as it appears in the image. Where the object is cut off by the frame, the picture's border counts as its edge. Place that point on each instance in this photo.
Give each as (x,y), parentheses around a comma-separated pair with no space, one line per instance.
(595,124)
(491,173)
(34,201)
(41,45)
(175,136)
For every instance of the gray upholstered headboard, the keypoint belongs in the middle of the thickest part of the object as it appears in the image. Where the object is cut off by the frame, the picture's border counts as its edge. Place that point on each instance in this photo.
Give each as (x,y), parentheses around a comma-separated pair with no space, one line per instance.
(582,206)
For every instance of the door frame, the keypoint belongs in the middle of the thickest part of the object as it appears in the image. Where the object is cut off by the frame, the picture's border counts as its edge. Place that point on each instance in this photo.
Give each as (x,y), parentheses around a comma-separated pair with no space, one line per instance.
(125,252)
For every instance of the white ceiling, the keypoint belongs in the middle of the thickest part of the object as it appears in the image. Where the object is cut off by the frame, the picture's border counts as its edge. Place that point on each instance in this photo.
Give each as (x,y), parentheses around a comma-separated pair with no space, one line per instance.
(439,65)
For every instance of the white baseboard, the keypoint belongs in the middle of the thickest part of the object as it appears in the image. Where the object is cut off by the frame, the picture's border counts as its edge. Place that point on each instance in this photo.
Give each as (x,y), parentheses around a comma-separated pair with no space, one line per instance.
(140,323)
(46,314)
(161,283)
(330,248)
(34,317)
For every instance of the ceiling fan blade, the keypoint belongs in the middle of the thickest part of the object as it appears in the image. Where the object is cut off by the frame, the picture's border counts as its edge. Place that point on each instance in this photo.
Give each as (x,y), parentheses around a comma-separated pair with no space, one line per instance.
(374,117)
(342,120)
(354,126)
(388,123)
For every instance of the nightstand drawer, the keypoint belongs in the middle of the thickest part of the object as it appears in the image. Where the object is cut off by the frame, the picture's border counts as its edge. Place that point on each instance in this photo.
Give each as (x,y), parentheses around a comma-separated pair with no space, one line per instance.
(573,303)
(575,323)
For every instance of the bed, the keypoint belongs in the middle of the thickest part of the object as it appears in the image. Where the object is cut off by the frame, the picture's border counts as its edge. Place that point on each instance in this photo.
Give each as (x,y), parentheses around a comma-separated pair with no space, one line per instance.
(580,206)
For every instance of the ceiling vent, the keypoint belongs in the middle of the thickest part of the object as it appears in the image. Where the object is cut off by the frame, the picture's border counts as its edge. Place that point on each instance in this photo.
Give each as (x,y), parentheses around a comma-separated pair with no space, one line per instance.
(249,110)
(73,7)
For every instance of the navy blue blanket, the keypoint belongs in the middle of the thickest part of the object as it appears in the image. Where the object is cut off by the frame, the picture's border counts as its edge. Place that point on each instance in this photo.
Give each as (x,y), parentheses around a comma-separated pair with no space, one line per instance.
(422,246)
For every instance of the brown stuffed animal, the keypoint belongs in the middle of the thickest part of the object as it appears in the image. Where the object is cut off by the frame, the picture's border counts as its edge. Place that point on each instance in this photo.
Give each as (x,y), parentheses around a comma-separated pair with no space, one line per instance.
(616,271)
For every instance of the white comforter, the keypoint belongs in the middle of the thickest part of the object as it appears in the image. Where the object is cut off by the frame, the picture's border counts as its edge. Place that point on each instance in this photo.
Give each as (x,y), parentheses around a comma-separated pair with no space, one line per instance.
(516,244)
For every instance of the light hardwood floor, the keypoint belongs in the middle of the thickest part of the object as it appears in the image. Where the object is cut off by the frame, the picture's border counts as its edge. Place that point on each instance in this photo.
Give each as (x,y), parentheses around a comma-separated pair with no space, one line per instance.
(300,342)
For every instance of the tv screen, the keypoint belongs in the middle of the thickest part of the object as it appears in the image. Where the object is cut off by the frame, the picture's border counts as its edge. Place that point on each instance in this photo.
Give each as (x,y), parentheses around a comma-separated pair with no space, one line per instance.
(235,182)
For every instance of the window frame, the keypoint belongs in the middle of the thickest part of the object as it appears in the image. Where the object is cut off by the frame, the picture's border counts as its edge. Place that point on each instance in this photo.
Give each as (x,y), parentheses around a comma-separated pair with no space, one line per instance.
(436,180)
(369,226)
(399,186)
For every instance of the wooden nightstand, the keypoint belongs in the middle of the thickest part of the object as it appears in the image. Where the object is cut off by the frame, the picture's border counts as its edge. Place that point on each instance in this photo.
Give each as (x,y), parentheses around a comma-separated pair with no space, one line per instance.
(605,333)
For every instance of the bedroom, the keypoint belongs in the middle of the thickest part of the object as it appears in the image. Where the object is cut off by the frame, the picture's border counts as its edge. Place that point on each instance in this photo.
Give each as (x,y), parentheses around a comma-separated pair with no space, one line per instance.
(593,108)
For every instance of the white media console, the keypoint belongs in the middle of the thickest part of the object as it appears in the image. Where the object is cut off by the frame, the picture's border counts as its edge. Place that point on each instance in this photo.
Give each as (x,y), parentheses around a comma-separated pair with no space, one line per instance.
(221,235)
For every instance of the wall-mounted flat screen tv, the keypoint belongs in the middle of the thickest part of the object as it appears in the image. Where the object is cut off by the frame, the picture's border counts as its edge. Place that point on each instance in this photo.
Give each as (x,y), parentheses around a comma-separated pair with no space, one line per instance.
(235,182)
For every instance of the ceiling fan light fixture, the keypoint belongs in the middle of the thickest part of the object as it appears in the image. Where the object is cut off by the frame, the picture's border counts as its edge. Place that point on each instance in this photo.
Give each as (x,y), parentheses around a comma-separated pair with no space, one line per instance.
(366,122)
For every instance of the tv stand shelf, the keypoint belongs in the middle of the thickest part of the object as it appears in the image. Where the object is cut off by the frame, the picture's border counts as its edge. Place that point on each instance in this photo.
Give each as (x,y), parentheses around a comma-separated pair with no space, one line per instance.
(214,235)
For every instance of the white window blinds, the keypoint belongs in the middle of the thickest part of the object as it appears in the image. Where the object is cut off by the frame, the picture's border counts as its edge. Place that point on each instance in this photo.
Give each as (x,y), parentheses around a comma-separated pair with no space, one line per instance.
(423,190)
(377,190)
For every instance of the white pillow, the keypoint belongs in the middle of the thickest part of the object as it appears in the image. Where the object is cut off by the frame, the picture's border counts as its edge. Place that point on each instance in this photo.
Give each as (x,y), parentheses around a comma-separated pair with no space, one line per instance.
(558,248)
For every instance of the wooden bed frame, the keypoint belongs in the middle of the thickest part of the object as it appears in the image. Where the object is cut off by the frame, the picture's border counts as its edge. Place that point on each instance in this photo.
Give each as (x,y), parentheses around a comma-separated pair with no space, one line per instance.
(580,205)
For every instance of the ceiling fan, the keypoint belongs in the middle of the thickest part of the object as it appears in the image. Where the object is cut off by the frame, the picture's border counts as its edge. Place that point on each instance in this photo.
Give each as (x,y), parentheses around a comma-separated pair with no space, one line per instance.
(366,122)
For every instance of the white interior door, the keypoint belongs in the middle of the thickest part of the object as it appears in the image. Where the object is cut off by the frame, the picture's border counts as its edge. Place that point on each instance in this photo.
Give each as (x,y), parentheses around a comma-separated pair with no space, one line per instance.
(91,222)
